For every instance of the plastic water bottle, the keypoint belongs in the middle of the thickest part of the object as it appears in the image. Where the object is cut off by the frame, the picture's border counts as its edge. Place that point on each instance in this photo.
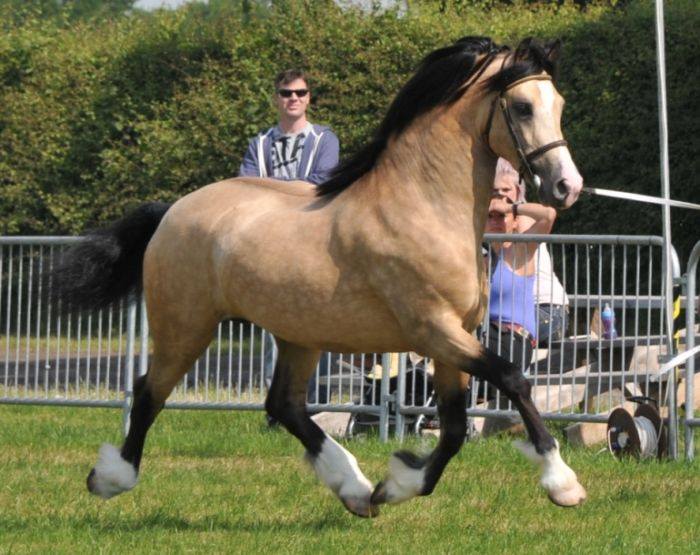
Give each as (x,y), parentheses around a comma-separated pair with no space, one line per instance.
(608,319)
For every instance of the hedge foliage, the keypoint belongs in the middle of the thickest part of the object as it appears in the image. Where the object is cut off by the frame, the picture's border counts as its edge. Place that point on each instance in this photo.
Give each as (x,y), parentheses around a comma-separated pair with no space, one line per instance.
(99,115)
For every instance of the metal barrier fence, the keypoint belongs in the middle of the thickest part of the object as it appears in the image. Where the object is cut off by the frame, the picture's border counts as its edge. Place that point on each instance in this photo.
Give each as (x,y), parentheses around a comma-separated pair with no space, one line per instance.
(58,357)
(48,356)
(691,315)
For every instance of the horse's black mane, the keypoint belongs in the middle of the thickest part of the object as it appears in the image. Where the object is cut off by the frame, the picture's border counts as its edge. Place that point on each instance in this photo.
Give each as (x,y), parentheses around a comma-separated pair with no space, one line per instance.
(439,80)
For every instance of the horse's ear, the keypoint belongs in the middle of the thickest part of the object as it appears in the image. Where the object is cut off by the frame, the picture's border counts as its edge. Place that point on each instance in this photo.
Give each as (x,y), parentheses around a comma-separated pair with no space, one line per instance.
(522,52)
(553,50)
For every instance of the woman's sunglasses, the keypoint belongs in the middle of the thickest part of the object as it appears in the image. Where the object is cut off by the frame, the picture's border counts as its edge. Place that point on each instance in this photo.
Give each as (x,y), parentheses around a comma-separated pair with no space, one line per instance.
(287,93)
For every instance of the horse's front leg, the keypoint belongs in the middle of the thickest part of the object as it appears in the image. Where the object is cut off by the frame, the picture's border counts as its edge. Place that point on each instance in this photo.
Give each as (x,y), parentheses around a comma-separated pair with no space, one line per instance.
(410,475)
(336,467)
(557,478)
(454,347)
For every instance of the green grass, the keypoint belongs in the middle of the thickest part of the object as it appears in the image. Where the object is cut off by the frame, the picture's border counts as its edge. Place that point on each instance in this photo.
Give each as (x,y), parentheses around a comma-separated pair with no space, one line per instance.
(221,482)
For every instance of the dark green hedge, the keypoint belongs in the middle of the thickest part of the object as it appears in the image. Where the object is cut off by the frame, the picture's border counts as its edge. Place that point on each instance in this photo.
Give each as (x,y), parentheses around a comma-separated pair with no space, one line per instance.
(97,116)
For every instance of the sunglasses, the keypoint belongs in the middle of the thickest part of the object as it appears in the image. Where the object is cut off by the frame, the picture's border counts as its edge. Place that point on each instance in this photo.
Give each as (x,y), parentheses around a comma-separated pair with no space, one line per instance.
(287,93)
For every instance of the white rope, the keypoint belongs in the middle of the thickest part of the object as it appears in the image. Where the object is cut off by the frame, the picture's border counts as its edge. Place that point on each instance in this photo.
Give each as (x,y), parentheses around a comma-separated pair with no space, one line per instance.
(641,198)
(648,438)
(678,359)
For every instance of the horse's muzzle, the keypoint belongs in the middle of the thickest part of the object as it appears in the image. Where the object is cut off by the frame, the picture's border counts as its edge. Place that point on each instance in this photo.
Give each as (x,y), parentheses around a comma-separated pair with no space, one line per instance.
(562,194)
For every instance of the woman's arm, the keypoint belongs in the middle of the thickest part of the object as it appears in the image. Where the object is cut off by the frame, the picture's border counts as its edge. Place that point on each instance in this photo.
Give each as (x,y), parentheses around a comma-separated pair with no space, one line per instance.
(534,218)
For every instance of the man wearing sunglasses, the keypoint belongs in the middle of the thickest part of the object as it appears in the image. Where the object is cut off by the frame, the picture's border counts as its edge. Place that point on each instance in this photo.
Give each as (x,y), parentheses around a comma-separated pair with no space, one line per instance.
(294,149)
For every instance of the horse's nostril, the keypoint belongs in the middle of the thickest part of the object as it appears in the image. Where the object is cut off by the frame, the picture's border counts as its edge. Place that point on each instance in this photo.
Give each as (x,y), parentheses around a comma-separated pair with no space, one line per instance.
(561,189)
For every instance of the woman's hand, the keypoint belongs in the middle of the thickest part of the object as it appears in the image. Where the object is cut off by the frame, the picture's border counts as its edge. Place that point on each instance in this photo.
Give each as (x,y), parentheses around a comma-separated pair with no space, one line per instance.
(501,206)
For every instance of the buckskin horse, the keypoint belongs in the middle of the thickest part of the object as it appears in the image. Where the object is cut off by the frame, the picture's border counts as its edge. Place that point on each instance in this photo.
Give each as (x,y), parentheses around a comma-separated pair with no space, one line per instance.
(336,268)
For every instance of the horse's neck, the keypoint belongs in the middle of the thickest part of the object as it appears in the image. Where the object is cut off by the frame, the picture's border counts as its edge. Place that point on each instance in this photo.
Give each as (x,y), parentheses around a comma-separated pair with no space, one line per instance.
(438,169)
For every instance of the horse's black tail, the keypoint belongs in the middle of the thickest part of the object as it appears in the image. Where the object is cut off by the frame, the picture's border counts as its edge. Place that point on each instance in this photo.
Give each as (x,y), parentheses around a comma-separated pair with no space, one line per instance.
(108,263)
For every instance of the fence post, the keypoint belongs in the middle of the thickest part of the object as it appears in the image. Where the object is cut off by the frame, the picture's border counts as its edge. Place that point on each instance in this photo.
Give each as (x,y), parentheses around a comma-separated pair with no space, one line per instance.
(689,345)
(399,421)
(670,290)
(129,379)
(385,398)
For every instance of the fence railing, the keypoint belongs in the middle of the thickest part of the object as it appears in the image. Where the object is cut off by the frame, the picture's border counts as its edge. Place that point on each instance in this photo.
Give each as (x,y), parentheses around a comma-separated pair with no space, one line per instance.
(51,355)
(691,315)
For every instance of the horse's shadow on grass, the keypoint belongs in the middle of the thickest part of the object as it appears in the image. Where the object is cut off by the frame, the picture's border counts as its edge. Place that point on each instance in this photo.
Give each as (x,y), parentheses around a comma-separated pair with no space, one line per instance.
(161,520)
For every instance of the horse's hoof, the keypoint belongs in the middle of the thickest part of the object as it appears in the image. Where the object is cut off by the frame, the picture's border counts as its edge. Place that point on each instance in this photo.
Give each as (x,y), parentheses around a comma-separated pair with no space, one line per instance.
(91,481)
(405,480)
(111,475)
(570,497)
(361,507)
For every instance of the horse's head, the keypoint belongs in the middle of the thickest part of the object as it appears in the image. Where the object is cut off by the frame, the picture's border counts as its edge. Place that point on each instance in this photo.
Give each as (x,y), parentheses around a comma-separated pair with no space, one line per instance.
(524,123)
(502,98)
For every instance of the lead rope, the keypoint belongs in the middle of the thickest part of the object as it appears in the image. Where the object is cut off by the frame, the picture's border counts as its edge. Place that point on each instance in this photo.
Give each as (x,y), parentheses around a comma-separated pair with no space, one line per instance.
(640,198)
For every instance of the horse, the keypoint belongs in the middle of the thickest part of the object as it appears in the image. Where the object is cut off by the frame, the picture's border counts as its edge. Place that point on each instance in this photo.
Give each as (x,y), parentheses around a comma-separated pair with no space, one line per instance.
(336,268)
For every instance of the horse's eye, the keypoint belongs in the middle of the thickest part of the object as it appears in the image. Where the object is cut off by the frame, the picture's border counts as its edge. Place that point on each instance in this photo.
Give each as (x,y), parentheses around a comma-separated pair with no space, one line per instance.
(522,109)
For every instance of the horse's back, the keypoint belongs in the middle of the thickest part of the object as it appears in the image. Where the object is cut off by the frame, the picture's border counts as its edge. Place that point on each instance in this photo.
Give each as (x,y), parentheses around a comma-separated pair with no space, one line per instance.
(216,204)
(236,210)
(255,249)
(210,201)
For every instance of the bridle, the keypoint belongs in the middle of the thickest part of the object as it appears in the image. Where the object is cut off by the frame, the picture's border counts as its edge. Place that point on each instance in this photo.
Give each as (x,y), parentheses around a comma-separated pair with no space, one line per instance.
(526,172)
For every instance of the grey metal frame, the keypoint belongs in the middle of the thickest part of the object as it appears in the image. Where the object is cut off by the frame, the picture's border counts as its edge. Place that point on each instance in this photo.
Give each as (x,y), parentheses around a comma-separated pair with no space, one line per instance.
(73,356)
(690,421)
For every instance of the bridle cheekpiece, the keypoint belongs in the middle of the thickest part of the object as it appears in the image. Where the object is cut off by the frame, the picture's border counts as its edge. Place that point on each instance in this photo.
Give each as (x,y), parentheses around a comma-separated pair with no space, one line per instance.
(526,172)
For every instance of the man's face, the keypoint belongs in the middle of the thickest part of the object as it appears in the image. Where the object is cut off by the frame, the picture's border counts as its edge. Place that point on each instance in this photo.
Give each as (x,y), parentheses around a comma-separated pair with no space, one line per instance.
(505,187)
(292,98)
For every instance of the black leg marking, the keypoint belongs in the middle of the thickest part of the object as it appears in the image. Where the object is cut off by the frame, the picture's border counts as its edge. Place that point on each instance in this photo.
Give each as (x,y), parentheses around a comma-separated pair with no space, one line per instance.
(453,430)
(411,460)
(508,378)
(290,411)
(143,413)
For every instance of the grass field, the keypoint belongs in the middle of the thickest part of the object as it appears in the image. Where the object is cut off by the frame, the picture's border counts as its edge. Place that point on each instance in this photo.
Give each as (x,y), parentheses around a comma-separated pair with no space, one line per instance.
(221,482)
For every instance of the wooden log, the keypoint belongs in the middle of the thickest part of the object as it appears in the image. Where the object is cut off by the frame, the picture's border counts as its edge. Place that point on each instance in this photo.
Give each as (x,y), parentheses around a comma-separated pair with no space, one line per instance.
(584,434)
(333,423)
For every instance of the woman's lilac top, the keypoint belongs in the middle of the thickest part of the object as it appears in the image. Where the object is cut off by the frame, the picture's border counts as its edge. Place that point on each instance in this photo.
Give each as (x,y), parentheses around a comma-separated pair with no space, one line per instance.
(512,298)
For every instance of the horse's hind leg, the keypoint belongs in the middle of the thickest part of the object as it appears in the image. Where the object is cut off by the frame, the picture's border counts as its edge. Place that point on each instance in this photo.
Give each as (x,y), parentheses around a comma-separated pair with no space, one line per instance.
(175,350)
(286,401)
(410,475)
